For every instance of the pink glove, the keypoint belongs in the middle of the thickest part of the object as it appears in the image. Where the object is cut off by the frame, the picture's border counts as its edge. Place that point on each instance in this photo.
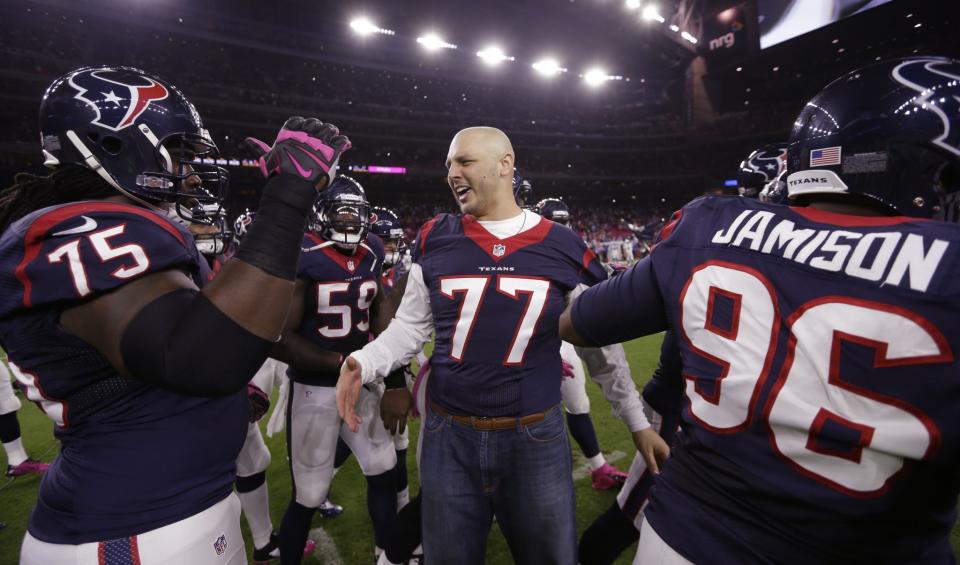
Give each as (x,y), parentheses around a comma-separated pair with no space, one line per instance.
(304,148)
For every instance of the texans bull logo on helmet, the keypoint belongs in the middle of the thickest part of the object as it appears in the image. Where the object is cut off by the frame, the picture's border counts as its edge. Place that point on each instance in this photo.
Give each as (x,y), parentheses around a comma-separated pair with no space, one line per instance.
(769,162)
(117,96)
(926,77)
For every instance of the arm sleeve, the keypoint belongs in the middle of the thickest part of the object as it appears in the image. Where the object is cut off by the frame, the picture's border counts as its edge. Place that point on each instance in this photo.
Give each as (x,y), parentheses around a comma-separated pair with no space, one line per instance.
(608,368)
(169,343)
(409,330)
(621,308)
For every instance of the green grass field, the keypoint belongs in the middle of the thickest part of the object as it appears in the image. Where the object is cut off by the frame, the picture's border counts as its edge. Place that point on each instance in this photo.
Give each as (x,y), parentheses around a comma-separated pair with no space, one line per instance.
(348,539)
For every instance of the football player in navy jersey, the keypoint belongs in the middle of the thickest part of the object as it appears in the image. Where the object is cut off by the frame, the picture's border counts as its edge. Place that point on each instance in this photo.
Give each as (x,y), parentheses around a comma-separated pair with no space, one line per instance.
(105,327)
(619,527)
(492,283)
(336,306)
(817,341)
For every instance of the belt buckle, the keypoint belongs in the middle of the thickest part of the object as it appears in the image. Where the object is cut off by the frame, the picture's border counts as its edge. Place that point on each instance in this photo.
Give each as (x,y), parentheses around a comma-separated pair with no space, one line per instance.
(477,421)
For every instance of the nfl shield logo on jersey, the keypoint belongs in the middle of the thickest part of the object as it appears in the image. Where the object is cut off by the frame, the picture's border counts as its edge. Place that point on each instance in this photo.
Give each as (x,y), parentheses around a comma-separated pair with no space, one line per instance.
(221,544)
(499,249)
(350,265)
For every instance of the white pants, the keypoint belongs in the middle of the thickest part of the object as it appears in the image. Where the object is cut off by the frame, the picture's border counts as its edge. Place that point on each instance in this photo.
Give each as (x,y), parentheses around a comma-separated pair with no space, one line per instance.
(211,537)
(271,374)
(8,400)
(652,550)
(314,427)
(574,391)
(254,455)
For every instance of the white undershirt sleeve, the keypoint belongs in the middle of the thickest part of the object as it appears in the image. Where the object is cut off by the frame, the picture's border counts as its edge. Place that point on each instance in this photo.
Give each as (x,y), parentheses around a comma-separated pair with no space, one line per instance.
(608,368)
(410,329)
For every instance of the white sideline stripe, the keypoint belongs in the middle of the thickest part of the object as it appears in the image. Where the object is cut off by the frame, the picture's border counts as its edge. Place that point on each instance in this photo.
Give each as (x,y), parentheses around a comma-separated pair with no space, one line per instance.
(581,468)
(326,550)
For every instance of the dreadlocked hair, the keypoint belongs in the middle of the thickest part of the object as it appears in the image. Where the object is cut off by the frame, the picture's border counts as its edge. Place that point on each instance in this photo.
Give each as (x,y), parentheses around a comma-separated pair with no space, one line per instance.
(31,192)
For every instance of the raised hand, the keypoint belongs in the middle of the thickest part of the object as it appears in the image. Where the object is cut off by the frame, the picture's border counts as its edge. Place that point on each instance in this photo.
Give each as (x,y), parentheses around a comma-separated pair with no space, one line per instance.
(306,148)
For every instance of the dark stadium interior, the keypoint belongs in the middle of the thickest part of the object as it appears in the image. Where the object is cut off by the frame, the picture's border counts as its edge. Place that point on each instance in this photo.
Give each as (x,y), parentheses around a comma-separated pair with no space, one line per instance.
(673,128)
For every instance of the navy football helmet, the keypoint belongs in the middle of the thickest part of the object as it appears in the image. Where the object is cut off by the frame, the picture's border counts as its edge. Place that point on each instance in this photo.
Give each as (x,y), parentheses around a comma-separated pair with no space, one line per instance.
(386,224)
(887,134)
(522,190)
(242,224)
(342,213)
(138,132)
(761,167)
(555,210)
(775,191)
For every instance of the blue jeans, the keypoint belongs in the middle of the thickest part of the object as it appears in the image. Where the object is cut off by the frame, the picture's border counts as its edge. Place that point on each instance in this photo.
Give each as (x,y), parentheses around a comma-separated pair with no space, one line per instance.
(521,475)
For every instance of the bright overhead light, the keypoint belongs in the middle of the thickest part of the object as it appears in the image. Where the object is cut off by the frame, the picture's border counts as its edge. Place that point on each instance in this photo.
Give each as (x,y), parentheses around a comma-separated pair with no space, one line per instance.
(493,55)
(651,13)
(548,67)
(633,4)
(595,77)
(432,42)
(674,28)
(688,37)
(363,26)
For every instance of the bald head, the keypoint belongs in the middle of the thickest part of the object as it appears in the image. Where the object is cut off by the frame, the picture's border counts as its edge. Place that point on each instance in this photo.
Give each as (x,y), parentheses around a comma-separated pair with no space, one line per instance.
(480,172)
(491,141)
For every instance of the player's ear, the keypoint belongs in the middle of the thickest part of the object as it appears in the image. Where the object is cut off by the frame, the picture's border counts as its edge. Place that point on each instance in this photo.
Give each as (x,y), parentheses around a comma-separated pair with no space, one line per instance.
(506,165)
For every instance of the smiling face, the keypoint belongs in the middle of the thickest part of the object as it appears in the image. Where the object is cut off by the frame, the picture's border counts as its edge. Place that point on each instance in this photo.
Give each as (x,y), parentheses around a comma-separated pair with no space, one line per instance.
(480,173)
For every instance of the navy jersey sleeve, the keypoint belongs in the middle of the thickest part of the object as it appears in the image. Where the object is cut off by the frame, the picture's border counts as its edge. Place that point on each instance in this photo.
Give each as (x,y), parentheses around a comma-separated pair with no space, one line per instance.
(420,242)
(375,244)
(78,251)
(310,243)
(621,308)
(589,270)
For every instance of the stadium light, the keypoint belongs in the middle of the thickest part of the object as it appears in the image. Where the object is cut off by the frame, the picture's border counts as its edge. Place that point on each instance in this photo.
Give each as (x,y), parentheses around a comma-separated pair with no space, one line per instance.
(548,67)
(651,13)
(432,42)
(688,37)
(493,55)
(595,77)
(364,27)
(633,4)
(674,28)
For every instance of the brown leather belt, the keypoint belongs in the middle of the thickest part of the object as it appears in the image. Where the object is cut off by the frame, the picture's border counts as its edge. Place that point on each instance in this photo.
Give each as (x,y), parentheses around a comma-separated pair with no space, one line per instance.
(491,424)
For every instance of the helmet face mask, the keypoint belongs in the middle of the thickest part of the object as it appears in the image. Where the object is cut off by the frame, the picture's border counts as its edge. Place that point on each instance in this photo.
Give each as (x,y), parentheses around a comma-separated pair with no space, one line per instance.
(139,133)
(555,210)
(210,230)
(522,191)
(342,213)
(881,135)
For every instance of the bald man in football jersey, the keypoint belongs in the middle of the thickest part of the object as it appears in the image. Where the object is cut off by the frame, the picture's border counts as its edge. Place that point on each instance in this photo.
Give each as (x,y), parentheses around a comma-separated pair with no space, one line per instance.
(491,282)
